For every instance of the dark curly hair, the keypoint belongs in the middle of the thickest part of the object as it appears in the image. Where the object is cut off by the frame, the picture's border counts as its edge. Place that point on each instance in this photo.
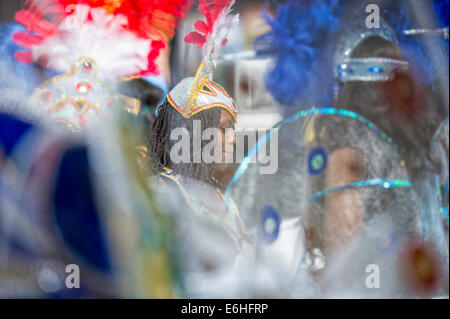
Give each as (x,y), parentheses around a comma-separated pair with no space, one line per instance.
(159,143)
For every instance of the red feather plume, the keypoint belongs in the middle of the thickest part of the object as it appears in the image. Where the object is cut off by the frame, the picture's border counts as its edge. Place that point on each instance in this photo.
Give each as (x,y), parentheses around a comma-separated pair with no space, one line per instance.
(211,9)
(155,18)
(148,19)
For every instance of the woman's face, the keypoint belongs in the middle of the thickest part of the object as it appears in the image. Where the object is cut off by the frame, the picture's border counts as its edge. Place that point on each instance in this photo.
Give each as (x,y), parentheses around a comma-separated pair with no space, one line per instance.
(226,137)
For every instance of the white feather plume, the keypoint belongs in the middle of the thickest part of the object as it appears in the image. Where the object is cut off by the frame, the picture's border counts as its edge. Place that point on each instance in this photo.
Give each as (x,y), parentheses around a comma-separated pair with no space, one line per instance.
(224,23)
(118,52)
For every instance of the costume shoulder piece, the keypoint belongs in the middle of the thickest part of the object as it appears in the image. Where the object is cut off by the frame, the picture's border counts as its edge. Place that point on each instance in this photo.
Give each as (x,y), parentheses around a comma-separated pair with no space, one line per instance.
(207,202)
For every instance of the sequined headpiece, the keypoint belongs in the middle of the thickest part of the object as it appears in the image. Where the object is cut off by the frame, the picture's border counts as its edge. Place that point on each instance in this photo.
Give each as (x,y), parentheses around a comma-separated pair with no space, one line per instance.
(365,69)
(195,94)
(443,32)
(203,94)
(79,97)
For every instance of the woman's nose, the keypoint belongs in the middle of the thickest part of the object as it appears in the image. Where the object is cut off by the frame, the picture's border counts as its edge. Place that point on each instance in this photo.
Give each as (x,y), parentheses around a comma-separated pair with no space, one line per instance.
(230,136)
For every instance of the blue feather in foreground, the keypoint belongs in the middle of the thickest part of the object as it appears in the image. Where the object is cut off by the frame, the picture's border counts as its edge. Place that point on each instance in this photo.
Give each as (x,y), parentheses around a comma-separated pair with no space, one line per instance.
(298,40)
(441,7)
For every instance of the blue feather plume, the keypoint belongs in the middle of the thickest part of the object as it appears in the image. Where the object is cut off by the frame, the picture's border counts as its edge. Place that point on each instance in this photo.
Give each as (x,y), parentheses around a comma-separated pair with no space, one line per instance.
(303,37)
(441,8)
(298,41)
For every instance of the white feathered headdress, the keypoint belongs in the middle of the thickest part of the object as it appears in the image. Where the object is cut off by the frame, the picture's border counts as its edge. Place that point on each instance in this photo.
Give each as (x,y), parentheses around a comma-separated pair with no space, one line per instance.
(93,44)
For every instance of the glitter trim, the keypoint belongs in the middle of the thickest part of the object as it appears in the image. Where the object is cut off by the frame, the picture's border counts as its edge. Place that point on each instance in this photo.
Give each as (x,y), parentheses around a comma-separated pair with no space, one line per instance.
(189,103)
(304,113)
(385,183)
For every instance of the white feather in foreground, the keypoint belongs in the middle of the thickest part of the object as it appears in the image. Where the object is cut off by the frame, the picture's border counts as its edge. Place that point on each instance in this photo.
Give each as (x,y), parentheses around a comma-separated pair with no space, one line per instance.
(118,52)
(214,42)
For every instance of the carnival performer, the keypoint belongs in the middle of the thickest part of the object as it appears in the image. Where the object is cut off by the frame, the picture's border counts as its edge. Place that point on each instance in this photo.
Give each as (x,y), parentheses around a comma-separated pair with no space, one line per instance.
(193,106)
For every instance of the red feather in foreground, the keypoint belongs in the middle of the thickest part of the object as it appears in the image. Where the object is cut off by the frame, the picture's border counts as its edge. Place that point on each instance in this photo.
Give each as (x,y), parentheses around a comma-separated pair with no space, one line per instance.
(211,9)
(152,18)
(147,19)
(32,18)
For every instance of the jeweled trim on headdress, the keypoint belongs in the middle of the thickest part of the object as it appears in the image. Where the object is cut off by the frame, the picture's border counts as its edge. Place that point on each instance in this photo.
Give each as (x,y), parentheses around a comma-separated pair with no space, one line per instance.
(371,69)
(204,94)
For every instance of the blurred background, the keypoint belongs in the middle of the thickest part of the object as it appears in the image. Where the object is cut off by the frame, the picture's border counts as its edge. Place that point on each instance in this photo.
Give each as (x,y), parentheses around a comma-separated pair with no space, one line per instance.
(7,10)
